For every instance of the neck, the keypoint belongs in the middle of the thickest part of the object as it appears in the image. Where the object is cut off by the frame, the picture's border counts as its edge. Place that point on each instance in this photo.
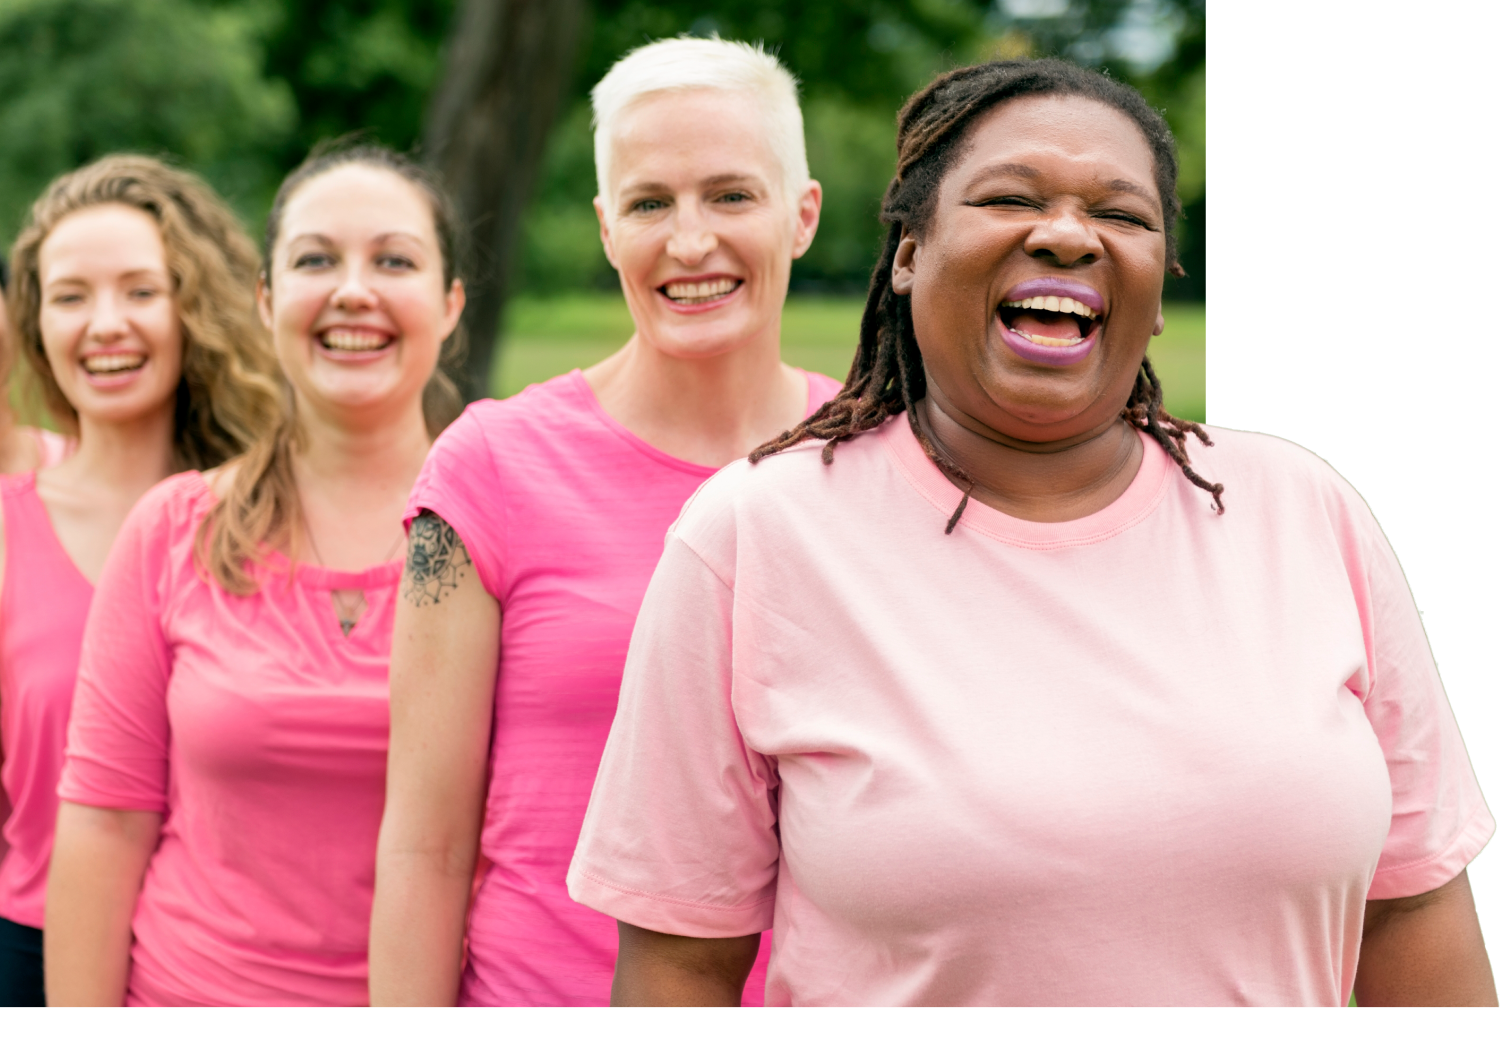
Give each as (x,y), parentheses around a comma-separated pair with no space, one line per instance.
(123,458)
(709,410)
(1067,479)
(382,455)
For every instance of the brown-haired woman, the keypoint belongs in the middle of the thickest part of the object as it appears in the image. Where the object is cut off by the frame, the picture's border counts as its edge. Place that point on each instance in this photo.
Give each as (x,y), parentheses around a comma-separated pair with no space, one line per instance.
(1043,712)
(23,448)
(226,757)
(131,302)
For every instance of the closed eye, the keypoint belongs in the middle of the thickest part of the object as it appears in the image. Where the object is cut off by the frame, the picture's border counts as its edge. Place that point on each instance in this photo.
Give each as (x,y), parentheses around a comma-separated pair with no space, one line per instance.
(1126,217)
(1009,201)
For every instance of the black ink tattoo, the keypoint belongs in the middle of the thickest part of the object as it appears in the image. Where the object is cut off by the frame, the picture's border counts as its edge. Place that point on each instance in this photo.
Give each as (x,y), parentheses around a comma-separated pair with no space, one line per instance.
(437,559)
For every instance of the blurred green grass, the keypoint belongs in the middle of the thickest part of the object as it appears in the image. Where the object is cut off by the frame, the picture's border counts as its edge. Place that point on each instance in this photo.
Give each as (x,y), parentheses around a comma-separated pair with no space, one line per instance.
(546,337)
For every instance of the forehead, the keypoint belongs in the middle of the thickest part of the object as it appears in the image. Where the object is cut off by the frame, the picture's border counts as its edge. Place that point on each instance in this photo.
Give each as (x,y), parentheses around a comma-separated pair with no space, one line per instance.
(684,137)
(100,239)
(1074,136)
(357,200)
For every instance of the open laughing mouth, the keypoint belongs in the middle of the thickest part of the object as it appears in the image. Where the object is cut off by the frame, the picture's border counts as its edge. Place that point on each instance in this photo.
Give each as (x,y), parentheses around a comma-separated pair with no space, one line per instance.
(1051,329)
(693,294)
(112,365)
(344,338)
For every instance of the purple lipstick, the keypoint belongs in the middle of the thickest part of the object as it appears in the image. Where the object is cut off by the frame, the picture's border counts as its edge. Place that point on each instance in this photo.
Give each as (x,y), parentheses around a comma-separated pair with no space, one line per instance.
(1051,321)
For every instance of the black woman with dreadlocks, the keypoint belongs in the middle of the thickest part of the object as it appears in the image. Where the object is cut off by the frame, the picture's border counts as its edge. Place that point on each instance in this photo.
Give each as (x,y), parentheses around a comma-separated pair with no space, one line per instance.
(994,683)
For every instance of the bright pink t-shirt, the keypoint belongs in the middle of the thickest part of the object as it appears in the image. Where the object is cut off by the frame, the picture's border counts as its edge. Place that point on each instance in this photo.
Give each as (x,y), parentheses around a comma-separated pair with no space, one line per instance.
(1150,756)
(42,611)
(564,513)
(259,732)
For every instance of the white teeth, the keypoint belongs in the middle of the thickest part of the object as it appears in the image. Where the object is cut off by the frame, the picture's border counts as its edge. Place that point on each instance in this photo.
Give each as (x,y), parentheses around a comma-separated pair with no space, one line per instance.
(112,363)
(1062,304)
(1051,342)
(699,292)
(353,340)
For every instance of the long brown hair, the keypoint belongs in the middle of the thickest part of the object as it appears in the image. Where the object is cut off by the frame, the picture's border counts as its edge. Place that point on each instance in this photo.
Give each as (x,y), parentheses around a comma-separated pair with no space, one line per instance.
(887,376)
(227,395)
(260,509)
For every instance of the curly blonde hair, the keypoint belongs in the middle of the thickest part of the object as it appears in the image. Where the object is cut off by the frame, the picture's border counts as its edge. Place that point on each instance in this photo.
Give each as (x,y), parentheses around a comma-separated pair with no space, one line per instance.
(228,391)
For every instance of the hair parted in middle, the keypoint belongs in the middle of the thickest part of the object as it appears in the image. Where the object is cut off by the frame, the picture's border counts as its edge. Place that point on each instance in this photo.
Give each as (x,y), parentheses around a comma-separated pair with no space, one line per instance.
(227,393)
(261,508)
(887,376)
(687,63)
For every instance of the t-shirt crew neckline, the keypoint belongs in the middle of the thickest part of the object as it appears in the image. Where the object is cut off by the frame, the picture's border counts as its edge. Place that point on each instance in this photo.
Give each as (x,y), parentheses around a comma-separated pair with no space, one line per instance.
(1135,504)
(583,390)
(316,577)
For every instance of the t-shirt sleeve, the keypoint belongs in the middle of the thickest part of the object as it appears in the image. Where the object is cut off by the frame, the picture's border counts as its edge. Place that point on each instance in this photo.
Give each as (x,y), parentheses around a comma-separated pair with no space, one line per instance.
(458,483)
(680,833)
(1440,819)
(118,735)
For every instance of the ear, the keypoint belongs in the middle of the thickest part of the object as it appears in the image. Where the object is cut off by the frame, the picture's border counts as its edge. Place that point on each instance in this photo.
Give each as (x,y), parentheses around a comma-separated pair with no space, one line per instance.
(808,211)
(603,232)
(1157,327)
(455,303)
(264,300)
(903,270)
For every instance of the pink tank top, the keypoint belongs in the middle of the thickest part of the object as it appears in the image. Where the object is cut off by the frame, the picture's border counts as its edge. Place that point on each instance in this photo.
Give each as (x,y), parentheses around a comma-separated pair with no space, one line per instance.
(43,604)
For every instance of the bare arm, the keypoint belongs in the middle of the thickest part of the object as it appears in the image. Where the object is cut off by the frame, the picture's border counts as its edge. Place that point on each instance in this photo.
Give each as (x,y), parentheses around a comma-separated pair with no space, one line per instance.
(1425,951)
(660,969)
(444,675)
(98,859)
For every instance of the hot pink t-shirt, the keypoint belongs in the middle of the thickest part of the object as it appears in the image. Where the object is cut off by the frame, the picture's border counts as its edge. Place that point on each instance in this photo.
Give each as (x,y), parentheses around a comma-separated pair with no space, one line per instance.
(259,732)
(1150,756)
(42,612)
(564,513)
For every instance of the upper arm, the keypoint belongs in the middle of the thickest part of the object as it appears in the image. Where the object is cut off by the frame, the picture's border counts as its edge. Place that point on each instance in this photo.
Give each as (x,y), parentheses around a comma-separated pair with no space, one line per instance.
(444,674)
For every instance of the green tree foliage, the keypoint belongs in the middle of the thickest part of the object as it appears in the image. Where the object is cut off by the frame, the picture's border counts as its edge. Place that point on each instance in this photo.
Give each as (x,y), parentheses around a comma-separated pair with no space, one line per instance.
(240,89)
(81,78)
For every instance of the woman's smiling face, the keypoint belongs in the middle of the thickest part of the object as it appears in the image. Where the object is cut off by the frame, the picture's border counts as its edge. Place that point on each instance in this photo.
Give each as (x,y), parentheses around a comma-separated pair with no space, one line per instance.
(1037,284)
(700,225)
(356,296)
(109,317)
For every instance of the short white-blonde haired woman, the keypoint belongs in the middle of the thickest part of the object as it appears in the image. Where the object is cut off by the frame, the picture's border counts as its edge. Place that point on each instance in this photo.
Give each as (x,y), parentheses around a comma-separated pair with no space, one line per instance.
(538,520)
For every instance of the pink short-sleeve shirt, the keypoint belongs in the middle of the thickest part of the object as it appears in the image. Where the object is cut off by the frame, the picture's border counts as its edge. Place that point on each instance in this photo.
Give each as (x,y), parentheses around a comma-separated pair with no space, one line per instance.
(259,732)
(563,512)
(1151,756)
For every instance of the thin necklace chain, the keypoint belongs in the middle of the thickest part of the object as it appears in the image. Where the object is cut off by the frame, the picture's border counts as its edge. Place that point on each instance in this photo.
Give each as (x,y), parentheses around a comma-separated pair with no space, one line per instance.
(345,606)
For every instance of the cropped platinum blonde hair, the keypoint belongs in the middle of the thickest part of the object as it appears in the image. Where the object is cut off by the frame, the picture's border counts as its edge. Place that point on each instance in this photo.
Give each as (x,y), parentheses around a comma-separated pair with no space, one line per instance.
(694,63)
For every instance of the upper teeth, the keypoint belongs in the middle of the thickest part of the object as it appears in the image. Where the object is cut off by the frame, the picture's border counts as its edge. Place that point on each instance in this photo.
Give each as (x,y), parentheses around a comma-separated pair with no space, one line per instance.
(112,363)
(1065,304)
(699,290)
(353,340)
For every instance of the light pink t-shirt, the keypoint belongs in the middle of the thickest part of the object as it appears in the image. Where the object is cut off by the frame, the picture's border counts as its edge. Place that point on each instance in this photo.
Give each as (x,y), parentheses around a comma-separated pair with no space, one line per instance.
(1150,756)
(564,513)
(260,734)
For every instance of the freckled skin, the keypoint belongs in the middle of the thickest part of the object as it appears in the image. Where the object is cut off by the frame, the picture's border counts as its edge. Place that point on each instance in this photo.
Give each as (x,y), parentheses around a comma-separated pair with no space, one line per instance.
(1043,187)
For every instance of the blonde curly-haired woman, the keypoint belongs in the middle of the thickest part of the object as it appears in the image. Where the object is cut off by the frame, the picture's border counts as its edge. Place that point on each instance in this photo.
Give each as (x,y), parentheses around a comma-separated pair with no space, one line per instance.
(132,304)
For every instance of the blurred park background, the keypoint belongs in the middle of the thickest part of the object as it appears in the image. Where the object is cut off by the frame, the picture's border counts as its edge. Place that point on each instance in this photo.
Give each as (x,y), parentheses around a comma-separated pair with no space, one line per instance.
(494,93)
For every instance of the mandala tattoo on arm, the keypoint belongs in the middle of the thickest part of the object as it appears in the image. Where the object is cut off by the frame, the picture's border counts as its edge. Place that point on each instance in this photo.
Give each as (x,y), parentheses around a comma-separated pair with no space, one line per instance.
(436,560)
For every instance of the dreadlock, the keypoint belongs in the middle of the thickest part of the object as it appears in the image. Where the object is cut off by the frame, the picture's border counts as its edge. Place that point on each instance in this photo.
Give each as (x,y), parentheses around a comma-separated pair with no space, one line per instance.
(887,376)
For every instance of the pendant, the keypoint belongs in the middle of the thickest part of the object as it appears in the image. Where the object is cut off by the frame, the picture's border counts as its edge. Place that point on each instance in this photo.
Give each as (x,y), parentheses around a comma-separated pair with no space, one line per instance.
(347,625)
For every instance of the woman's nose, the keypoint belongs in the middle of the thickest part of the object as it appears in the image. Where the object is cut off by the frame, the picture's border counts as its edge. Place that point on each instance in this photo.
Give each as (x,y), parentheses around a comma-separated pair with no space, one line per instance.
(691,236)
(1066,237)
(354,292)
(107,322)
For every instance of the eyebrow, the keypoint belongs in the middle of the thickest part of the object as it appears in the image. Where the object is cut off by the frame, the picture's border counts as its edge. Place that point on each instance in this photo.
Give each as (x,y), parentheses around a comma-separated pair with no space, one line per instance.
(711,181)
(135,272)
(1014,168)
(325,239)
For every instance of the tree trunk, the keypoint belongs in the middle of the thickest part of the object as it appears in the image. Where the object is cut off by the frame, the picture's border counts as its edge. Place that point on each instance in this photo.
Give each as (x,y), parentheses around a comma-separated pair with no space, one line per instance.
(507,65)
